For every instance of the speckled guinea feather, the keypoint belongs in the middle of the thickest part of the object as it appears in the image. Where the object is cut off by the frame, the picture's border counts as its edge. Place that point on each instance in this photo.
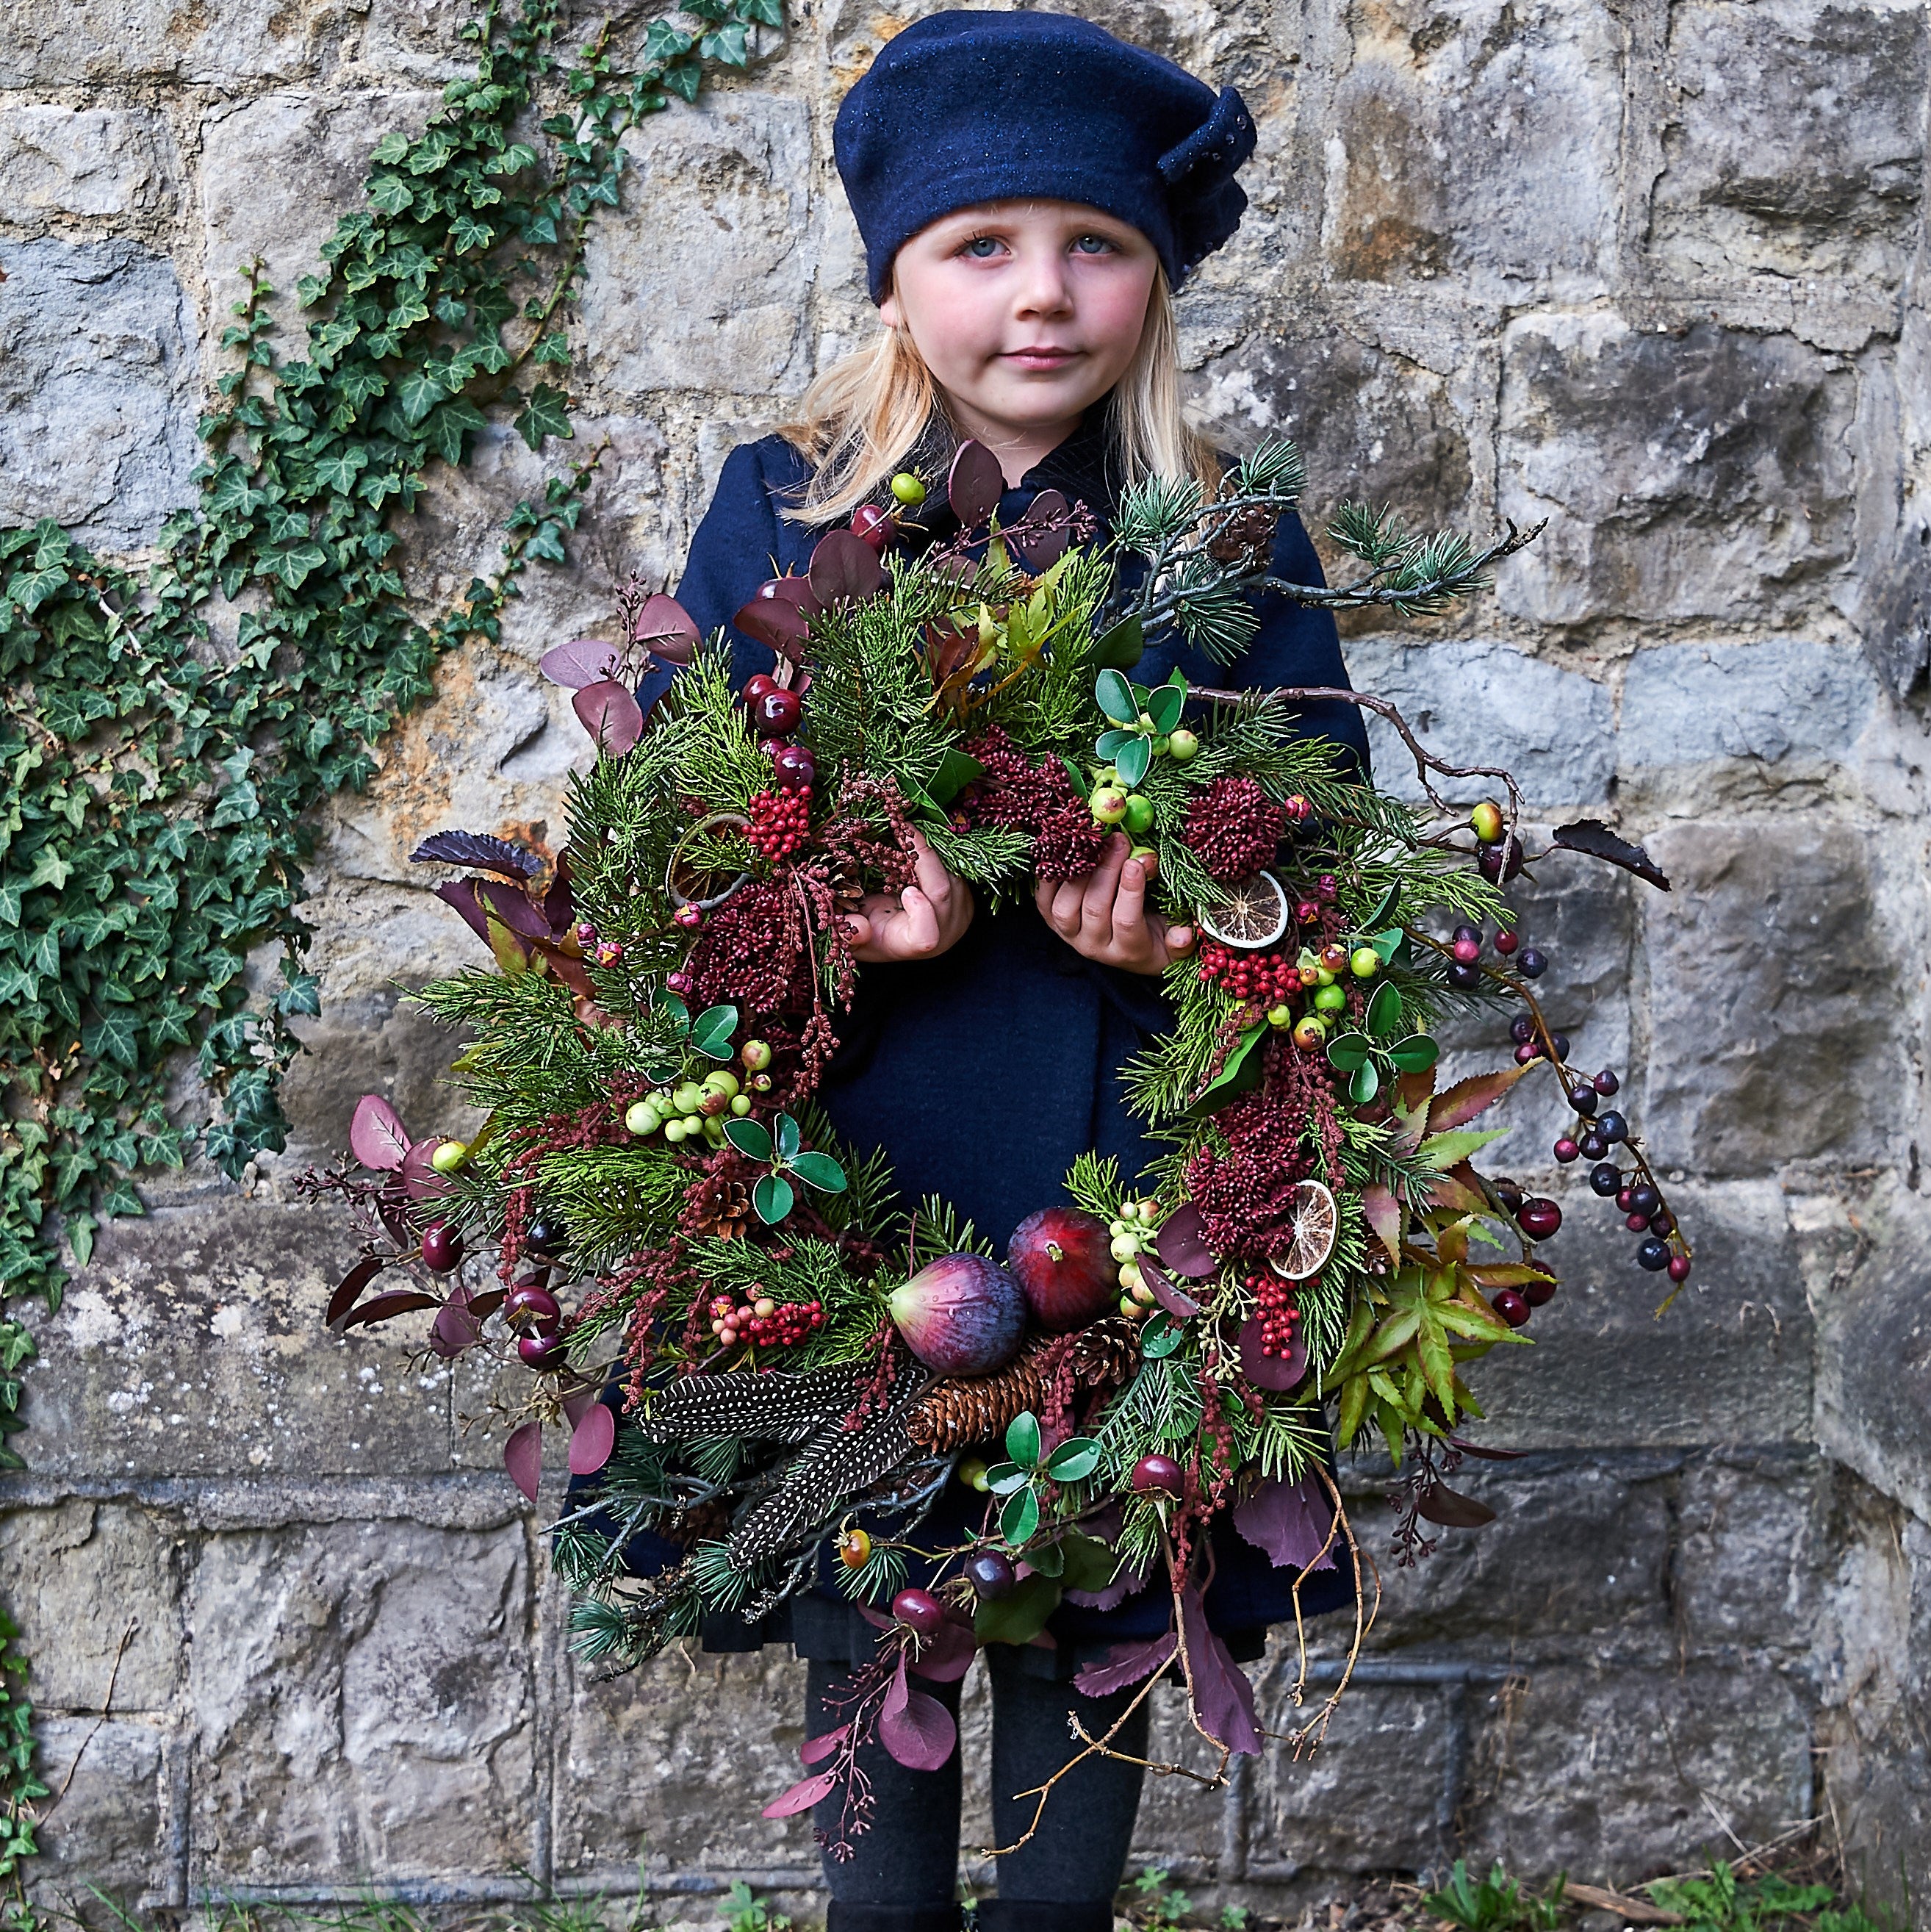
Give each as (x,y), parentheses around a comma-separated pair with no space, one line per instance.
(769,1407)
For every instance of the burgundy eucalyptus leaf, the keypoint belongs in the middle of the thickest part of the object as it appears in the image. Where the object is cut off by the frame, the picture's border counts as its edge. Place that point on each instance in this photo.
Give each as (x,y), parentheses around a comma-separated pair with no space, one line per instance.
(1175,1300)
(1482,1450)
(1182,1242)
(872,1617)
(845,569)
(420,1181)
(1223,1698)
(583,661)
(513,909)
(559,906)
(917,1731)
(382,1307)
(1451,1509)
(815,1751)
(392,1206)
(523,1457)
(802,1796)
(351,1284)
(1126,1664)
(976,483)
(774,619)
(1292,1522)
(483,1306)
(475,848)
(1594,840)
(461,893)
(1041,535)
(593,1439)
(610,713)
(664,628)
(946,1655)
(1278,1373)
(576,1401)
(375,1136)
(458,1327)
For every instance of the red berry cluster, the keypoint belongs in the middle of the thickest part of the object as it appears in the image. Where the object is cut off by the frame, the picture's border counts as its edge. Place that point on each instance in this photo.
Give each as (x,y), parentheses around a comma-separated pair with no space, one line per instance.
(1280,1314)
(1265,978)
(1020,796)
(767,1324)
(1068,845)
(1233,827)
(1246,1196)
(781,822)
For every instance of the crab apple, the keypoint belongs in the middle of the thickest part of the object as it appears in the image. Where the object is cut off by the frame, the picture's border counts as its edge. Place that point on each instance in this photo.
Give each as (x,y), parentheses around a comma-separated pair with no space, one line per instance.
(918,1610)
(755,1055)
(777,712)
(972,1472)
(990,1573)
(1539,1293)
(541,1351)
(1485,821)
(1679,1268)
(1334,958)
(441,1247)
(1309,1034)
(1109,805)
(1540,1217)
(1157,1473)
(872,524)
(1364,962)
(449,1155)
(1511,1306)
(530,1305)
(796,768)
(1182,746)
(1139,818)
(908,489)
(854,1549)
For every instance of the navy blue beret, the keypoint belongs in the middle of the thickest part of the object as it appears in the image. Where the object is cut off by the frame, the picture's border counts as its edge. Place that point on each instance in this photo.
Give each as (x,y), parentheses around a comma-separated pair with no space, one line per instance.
(966,107)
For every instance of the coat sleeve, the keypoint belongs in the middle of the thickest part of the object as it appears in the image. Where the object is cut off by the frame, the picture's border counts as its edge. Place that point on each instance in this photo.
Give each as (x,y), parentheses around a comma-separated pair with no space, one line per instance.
(741,542)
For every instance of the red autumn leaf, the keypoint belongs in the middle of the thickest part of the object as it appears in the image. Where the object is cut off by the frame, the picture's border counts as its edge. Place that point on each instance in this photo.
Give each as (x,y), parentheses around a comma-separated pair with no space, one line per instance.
(1385,1215)
(351,1284)
(458,1327)
(593,1439)
(523,1457)
(1453,1510)
(461,893)
(1292,1522)
(1182,1242)
(802,1796)
(1467,1098)
(815,1751)
(946,1655)
(844,569)
(610,713)
(1176,1301)
(376,1138)
(1223,1698)
(420,1181)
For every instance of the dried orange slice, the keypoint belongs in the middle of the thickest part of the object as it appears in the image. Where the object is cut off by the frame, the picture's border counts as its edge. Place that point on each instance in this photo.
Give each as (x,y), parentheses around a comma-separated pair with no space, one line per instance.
(1316,1221)
(1253,914)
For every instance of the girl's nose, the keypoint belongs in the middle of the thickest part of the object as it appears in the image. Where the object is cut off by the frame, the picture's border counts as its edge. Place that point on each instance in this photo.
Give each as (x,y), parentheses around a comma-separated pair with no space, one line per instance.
(1045,288)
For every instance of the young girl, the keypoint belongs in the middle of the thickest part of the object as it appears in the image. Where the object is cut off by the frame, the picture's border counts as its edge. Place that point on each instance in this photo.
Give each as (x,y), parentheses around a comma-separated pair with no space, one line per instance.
(1030,191)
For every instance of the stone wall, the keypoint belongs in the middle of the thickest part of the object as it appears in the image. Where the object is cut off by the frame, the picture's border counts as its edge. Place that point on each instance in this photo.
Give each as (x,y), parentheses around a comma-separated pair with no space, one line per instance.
(1644,269)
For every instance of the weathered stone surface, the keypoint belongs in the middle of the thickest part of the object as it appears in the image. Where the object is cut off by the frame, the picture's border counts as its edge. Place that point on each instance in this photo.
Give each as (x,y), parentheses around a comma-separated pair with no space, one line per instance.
(1752,1551)
(363,1702)
(1537,89)
(105,1608)
(1796,143)
(226,42)
(112,1828)
(1763,964)
(1603,1775)
(97,395)
(721,306)
(96,162)
(1702,473)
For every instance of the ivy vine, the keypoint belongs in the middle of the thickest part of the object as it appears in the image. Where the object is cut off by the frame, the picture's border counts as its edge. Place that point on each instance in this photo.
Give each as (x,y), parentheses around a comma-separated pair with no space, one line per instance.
(165,735)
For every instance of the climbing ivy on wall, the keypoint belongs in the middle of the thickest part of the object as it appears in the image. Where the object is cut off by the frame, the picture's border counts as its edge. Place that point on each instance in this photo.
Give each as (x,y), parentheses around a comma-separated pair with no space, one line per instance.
(166,735)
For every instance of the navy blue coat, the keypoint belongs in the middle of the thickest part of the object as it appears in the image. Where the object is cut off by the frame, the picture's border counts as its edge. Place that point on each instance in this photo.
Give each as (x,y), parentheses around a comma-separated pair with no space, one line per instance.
(984,1072)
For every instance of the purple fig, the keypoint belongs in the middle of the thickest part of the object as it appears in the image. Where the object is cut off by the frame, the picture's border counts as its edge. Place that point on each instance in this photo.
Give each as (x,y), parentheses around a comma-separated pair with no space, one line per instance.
(1063,1261)
(961,1315)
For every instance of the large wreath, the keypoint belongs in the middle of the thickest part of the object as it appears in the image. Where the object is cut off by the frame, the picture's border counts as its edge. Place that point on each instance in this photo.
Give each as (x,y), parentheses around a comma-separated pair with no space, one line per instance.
(1313,1255)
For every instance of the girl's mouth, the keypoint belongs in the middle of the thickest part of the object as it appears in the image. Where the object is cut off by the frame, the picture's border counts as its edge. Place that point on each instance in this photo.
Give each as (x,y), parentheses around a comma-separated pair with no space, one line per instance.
(1043,357)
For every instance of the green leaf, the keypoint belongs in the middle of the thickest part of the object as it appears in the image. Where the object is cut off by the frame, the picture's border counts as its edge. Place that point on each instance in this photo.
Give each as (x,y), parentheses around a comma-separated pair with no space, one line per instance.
(956,771)
(751,1140)
(1002,1478)
(1089,1563)
(1415,1054)
(790,1139)
(1347,1052)
(1443,1151)
(1384,1010)
(1161,1336)
(547,413)
(1021,1516)
(1022,1439)
(1387,944)
(1384,907)
(1021,1615)
(1165,705)
(1240,1073)
(114,1039)
(1133,760)
(711,1032)
(1363,1084)
(1122,647)
(417,393)
(391,148)
(1048,1559)
(1074,1460)
(1108,742)
(772,1198)
(819,1170)
(1076,775)
(1115,697)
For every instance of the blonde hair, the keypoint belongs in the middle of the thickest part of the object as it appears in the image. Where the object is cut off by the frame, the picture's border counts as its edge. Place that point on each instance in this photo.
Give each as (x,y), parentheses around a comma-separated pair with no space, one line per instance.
(860,421)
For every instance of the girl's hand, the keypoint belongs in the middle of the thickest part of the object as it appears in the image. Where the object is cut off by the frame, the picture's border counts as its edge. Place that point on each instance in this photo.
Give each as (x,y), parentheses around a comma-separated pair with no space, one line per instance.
(921,922)
(1104,917)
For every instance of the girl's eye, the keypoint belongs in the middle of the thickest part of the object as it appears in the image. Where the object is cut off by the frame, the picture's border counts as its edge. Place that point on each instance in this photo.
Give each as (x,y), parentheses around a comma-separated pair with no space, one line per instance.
(982,247)
(1094,244)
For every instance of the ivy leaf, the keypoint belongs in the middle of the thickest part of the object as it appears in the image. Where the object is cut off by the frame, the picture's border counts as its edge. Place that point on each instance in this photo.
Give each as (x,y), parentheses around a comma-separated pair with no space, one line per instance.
(115,1039)
(468,236)
(391,193)
(417,393)
(547,413)
(773,1198)
(391,149)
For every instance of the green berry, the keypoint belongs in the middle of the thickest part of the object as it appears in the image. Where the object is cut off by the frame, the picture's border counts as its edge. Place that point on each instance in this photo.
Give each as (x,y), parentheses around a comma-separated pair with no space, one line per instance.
(1364,962)
(1486,822)
(1109,805)
(741,1106)
(908,489)
(1139,813)
(643,1117)
(723,1083)
(449,1155)
(1280,1018)
(1331,999)
(1182,745)
(674,1131)
(755,1054)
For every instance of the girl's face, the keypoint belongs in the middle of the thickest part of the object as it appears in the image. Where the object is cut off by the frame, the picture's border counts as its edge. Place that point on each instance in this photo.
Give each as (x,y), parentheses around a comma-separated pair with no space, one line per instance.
(1026,313)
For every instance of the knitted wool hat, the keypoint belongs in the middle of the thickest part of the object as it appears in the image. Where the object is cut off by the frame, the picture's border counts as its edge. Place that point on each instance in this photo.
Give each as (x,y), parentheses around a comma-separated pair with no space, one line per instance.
(962,108)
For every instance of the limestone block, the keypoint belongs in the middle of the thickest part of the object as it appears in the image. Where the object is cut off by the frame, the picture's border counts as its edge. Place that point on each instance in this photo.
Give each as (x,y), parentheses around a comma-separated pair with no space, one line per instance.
(277,173)
(215,42)
(412,38)
(95,162)
(194,1345)
(97,385)
(1602,1774)
(112,1828)
(1753,1550)
(1476,141)
(673,1764)
(1770,974)
(95,1573)
(362,1704)
(1730,1363)
(1796,145)
(1374,423)
(1579,1550)
(700,279)
(1703,473)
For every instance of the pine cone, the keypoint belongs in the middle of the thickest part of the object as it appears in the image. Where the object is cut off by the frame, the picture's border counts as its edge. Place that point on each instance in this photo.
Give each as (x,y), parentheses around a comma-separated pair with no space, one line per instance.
(957,1413)
(1106,1353)
(1247,538)
(717,1206)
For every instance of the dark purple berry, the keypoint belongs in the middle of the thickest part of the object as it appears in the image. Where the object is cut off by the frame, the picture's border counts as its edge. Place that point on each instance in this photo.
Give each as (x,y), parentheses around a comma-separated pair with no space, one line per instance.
(796,768)
(1538,1294)
(1622,1200)
(1531,963)
(1613,1127)
(1637,1224)
(541,1351)
(1464,978)
(990,1574)
(1662,1222)
(1157,1473)
(546,1233)
(1643,1199)
(531,1305)
(1509,1306)
(1527,1051)
(1506,942)
(1508,1191)
(1606,1082)
(777,712)
(1593,1146)
(1560,1041)
(1679,1268)
(918,1610)
(1521,1029)
(1653,1256)
(1467,935)
(1606,1179)
(1497,863)
(1583,1099)
(1566,1150)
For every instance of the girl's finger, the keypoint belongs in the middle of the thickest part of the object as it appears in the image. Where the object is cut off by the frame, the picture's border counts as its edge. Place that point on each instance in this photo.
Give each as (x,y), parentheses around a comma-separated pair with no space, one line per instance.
(1179,938)
(934,881)
(858,930)
(1058,906)
(1129,908)
(1102,888)
(919,929)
